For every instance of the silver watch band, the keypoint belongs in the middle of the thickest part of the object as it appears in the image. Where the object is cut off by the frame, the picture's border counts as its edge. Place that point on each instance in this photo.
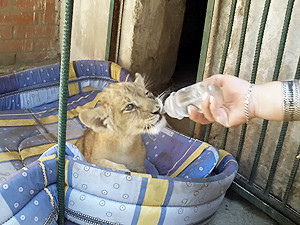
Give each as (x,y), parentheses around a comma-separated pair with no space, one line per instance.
(291,100)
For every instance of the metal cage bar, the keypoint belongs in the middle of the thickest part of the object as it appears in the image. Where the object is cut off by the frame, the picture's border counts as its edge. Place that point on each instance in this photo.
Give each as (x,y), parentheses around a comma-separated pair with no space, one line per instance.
(262,197)
(63,99)
(109,28)
(253,78)
(291,179)
(276,158)
(237,71)
(296,161)
(281,212)
(204,49)
(264,194)
(283,38)
(223,61)
(224,57)
(205,39)
(222,66)
(285,28)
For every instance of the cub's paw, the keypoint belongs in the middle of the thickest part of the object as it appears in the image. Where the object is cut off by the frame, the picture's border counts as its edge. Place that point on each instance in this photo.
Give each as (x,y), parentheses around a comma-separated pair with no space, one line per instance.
(115,166)
(121,167)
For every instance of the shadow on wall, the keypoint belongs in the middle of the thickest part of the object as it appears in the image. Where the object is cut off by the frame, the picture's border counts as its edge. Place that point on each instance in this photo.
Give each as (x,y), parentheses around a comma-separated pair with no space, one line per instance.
(190,44)
(188,54)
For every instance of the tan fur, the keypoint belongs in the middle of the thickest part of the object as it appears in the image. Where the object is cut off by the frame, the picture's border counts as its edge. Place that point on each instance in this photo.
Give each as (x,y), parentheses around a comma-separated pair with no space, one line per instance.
(125,111)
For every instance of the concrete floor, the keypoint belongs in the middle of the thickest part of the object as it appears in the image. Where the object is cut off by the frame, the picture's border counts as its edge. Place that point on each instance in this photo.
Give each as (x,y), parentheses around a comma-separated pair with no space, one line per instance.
(236,210)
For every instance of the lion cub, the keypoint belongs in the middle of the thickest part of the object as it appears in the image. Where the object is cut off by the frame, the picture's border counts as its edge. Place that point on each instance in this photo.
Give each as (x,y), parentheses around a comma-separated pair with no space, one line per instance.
(125,111)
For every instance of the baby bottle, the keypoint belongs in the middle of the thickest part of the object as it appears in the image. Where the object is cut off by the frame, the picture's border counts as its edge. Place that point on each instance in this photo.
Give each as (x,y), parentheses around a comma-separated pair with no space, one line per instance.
(176,104)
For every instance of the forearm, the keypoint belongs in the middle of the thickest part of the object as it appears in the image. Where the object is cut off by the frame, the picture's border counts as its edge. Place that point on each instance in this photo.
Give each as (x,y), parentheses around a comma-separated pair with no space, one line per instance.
(268,101)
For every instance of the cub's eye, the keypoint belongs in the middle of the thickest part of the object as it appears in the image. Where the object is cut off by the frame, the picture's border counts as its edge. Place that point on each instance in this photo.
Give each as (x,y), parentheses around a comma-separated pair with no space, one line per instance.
(130,107)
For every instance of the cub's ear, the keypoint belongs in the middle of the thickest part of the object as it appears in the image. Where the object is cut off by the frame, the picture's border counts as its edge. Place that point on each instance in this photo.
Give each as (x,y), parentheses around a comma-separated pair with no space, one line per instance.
(97,119)
(139,79)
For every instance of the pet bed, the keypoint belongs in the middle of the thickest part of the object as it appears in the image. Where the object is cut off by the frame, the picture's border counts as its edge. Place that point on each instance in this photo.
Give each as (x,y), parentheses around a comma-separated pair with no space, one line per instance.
(185,183)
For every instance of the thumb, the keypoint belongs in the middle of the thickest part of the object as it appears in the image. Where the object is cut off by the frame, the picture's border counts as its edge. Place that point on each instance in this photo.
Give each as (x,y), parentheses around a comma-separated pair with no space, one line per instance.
(218,112)
(222,117)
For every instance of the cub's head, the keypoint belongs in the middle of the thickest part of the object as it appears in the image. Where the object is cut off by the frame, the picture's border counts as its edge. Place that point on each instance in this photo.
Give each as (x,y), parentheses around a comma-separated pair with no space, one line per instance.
(126,108)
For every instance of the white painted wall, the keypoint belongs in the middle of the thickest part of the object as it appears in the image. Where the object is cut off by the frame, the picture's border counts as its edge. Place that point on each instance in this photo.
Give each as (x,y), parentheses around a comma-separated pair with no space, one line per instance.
(89,29)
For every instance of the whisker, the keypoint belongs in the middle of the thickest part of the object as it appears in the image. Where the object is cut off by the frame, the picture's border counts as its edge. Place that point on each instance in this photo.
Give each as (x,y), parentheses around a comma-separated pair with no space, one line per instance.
(150,119)
(147,79)
(162,96)
(149,83)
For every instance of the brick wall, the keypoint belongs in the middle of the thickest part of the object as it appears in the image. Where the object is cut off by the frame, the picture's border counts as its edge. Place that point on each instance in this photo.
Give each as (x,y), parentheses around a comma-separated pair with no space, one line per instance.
(28,31)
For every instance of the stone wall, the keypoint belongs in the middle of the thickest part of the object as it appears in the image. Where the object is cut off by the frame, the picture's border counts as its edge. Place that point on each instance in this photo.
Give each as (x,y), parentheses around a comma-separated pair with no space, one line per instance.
(150,38)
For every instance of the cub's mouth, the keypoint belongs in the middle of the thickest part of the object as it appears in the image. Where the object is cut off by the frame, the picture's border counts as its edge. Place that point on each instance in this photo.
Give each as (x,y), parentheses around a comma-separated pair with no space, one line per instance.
(156,127)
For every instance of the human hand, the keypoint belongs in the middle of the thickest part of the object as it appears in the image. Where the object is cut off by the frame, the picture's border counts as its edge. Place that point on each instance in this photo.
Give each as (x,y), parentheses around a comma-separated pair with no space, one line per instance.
(230,112)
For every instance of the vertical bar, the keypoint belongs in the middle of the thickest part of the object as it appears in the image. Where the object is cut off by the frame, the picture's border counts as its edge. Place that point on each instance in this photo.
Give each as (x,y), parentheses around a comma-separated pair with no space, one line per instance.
(205,39)
(291,178)
(241,143)
(224,138)
(119,26)
(242,39)
(284,32)
(222,66)
(279,57)
(297,75)
(204,49)
(282,207)
(296,161)
(224,57)
(192,126)
(228,36)
(207,133)
(109,28)
(63,97)
(258,152)
(253,78)
(259,40)
(115,32)
(237,71)
(276,158)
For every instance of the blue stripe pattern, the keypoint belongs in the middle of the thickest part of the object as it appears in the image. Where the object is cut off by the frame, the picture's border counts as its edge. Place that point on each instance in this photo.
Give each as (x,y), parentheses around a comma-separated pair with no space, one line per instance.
(140,201)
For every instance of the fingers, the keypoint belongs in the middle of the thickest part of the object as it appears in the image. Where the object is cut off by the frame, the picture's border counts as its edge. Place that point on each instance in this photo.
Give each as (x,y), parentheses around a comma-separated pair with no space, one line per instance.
(218,112)
(206,109)
(211,111)
(205,117)
(196,116)
(228,110)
